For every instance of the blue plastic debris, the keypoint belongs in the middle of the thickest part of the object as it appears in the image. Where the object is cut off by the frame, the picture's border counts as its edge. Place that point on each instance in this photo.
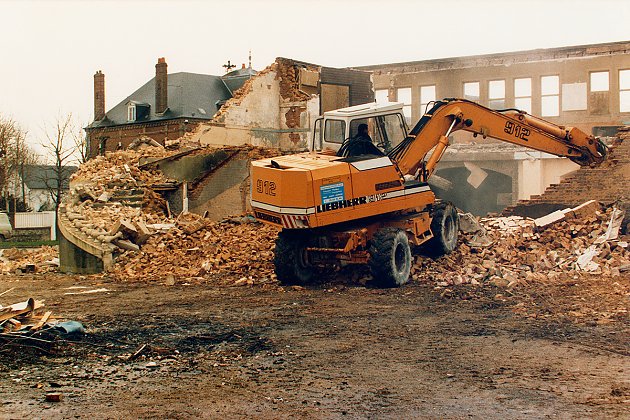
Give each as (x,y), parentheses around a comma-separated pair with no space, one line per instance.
(70,327)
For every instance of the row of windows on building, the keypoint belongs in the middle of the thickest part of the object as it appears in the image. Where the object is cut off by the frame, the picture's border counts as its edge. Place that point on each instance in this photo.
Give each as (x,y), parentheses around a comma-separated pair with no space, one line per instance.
(574,95)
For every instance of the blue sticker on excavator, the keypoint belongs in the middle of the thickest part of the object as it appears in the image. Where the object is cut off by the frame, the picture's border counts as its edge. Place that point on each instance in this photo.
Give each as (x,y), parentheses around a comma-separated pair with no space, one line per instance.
(332,193)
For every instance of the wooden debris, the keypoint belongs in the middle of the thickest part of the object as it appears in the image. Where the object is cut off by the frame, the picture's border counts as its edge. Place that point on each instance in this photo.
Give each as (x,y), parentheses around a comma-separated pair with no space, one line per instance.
(42,321)
(137,353)
(15,323)
(19,309)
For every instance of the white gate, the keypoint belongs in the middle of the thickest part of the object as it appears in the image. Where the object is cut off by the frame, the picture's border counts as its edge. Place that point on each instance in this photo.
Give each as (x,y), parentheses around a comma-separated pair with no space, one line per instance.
(40,219)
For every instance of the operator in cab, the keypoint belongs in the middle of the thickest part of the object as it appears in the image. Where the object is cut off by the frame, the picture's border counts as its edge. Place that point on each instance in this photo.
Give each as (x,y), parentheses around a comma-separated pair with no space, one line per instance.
(360,144)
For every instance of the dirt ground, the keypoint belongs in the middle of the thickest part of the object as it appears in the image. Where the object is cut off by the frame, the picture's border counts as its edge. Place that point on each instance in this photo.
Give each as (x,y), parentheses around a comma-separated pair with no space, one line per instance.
(335,350)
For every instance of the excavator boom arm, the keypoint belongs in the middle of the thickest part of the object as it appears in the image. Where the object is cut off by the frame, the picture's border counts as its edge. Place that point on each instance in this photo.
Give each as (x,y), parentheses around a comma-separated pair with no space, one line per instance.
(512,126)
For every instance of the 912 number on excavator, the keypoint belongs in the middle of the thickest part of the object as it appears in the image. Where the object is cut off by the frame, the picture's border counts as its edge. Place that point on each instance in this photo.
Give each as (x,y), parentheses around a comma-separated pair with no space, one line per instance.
(516,130)
(266,187)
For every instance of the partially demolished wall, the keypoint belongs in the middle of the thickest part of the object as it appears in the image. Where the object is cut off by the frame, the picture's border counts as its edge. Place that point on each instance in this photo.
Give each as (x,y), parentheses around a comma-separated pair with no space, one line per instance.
(607,183)
(269,110)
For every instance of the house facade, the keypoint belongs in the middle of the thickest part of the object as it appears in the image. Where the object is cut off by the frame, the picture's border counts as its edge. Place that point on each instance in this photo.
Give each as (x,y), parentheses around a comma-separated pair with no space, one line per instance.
(274,108)
(164,108)
(40,185)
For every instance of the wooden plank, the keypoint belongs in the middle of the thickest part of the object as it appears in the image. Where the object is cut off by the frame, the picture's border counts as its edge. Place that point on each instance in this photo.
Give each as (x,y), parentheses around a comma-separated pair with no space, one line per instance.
(20,308)
(16,324)
(42,321)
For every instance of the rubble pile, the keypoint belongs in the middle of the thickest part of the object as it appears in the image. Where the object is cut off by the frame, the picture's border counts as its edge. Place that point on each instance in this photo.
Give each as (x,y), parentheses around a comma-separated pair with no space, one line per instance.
(113,205)
(111,200)
(40,260)
(235,251)
(116,171)
(512,251)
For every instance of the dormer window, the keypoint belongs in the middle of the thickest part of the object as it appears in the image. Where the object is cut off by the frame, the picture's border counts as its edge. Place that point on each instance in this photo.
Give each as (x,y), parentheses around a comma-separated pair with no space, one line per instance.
(137,111)
(131,112)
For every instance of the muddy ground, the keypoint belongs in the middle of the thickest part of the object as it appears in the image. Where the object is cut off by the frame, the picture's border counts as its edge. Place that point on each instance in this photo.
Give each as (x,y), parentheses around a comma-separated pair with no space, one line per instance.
(337,350)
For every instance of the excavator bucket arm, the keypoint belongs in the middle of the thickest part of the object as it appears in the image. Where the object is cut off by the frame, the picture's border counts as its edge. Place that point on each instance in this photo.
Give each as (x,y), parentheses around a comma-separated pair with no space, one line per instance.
(511,125)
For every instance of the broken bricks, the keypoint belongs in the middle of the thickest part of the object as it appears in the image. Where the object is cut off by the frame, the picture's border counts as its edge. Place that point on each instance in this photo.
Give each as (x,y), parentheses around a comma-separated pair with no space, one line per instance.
(516,251)
(197,248)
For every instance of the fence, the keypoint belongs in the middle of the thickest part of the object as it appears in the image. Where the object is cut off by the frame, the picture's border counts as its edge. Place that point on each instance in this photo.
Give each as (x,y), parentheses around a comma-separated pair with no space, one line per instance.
(40,219)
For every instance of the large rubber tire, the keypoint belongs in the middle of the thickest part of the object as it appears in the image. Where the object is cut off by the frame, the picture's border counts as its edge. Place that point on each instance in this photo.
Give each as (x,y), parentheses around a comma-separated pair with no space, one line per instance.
(390,257)
(290,262)
(445,229)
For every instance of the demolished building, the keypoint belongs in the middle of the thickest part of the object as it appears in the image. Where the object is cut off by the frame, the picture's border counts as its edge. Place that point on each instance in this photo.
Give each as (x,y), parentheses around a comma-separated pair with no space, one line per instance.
(608,183)
(583,86)
(272,108)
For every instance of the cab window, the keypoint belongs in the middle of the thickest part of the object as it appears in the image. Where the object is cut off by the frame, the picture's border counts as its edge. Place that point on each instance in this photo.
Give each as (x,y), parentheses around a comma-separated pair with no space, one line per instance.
(334,131)
(390,130)
(317,135)
(354,126)
(386,131)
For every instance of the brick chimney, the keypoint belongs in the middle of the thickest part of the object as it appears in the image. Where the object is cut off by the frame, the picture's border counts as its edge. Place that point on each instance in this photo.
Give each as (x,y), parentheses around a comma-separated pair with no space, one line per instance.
(161,86)
(99,96)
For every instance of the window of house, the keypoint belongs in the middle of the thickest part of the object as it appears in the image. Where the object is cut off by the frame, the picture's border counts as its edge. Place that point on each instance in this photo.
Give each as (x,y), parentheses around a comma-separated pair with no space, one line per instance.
(471,91)
(496,94)
(381,96)
(404,96)
(427,95)
(624,90)
(102,145)
(550,96)
(131,112)
(599,81)
(523,94)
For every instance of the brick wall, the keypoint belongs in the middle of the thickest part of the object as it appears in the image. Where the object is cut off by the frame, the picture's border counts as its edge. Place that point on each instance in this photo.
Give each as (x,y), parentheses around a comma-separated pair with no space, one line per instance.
(607,183)
(360,83)
(125,134)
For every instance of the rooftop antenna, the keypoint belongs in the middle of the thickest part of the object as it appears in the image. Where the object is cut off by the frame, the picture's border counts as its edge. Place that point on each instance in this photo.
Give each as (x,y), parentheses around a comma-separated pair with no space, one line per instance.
(250,59)
(229,66)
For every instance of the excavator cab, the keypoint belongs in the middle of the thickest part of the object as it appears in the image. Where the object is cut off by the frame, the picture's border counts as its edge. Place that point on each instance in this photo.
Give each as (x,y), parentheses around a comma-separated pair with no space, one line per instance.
(386,126)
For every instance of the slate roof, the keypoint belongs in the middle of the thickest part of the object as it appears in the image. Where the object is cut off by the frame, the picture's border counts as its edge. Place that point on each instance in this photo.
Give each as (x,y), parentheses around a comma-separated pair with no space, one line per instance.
(42,177)
(236,78)
(190,95)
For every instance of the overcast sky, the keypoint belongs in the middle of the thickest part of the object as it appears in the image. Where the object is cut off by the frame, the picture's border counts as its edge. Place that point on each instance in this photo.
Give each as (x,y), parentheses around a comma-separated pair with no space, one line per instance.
(50,50)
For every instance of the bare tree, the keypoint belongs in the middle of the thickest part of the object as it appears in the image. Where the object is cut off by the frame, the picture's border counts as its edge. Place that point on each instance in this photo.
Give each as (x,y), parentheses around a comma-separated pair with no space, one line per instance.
(60,144)
(15,157)
(81,146)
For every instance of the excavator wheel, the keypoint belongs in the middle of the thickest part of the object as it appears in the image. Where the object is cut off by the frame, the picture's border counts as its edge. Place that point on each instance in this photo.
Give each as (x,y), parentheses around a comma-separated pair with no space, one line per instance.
(290,261)
(445,228)
(390,257)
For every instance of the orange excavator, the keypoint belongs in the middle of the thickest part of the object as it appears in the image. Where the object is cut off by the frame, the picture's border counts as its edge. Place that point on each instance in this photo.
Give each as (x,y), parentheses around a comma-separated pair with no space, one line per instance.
(372,208)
